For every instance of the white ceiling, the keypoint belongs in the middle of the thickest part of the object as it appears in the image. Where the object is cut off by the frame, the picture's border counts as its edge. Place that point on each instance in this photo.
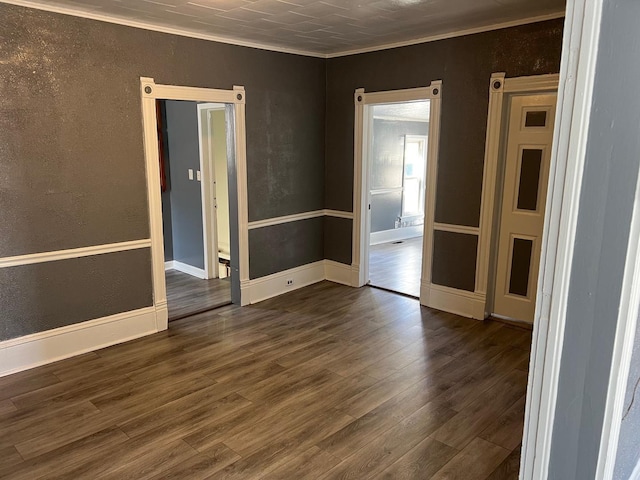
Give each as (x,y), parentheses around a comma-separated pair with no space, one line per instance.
(317,27)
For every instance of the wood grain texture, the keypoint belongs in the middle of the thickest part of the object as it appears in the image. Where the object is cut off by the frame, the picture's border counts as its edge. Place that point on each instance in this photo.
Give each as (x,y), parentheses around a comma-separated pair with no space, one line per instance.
(187,295)
(324,382)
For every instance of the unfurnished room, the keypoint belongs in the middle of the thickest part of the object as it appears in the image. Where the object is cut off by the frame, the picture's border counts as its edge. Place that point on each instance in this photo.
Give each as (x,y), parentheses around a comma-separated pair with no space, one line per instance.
(319,239)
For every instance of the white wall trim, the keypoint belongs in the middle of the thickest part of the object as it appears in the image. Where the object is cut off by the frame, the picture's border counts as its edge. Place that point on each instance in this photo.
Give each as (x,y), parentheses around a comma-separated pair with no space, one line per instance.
(268,222)
(338,214)
(337,272)
(635,475)
(275,284)
(188,269)
(448,227)
(460,302)
(150,92)
(53,256)
(361,213)
(77,12)
(396,234)
(622,349)
(577,72)
(31,351)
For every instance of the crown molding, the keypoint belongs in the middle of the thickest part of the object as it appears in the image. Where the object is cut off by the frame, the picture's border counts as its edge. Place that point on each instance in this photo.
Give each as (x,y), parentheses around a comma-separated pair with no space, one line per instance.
(76,12)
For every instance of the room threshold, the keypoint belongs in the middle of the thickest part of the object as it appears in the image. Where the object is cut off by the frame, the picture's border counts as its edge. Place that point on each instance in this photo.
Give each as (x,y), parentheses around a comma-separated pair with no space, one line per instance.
(408,295)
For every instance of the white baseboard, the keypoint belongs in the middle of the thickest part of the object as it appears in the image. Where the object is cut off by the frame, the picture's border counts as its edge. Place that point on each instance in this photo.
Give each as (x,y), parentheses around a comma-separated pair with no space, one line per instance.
(635,475)
(31,351)
(395,235)
(259,289)
(337,272)
(452,300)
(184,268)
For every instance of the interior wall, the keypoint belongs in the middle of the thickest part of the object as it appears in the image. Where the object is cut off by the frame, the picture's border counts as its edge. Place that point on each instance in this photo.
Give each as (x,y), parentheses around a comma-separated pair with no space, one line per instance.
(607,197)
(222,180)
(73,173)
(465,65)
(185,194)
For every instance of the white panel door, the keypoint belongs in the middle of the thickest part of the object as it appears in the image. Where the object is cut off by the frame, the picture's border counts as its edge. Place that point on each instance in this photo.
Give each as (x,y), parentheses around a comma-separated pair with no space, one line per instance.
(526,175)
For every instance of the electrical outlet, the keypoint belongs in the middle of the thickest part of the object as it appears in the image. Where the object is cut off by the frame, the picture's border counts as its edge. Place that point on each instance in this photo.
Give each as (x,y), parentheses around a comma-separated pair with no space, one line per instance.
(290,282)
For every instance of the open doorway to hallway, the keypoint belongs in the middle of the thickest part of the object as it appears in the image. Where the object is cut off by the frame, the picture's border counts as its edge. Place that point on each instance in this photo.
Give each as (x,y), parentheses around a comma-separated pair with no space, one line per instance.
(195,205)
(397,151)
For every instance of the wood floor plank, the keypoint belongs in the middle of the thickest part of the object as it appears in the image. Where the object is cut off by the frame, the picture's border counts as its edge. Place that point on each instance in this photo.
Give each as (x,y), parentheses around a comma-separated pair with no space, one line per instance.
(9,458)
(419,463)
(202,465)
(7,406)
(475,462)
(509,469)
(385,449)
(312,463)
(25,382)
(506,431)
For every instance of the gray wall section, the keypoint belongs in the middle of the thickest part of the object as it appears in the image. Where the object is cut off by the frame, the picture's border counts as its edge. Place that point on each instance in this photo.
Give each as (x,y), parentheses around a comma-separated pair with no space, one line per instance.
(455,264)
(628,455)
(606,204)
(285,246)
(49,295)
(185,195)
(72,170)
(337,232)
(465,65)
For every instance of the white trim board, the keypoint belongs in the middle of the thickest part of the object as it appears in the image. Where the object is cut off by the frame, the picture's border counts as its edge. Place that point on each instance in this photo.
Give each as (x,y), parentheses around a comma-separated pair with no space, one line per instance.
(42,348)
(71,253)
(635,475)
(276,284)
(337,272)
(186,268)
(77,12)
(268,222)
(452,300)
(395,234)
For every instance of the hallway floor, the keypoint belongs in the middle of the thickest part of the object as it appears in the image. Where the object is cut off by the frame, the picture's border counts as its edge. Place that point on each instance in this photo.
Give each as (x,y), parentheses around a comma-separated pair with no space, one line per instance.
(188,295)
(326,382)
(397,266)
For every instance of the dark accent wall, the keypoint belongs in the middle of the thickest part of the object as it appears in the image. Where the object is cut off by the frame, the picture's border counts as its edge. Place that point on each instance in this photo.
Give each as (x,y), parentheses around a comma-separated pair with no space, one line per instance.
(185,195)
(455,263)
(39,297)
(293,244)
(337,232)
(72,168)
(607,196)
(465,65)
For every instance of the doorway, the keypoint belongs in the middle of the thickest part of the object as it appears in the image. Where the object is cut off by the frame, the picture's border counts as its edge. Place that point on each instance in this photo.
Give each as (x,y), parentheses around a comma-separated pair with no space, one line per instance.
(397,151)
(195,205)
(529,123)
(234,101)
(395,202)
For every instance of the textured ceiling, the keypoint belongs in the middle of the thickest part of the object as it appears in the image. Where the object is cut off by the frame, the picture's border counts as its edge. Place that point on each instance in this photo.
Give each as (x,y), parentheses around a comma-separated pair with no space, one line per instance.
(315,26)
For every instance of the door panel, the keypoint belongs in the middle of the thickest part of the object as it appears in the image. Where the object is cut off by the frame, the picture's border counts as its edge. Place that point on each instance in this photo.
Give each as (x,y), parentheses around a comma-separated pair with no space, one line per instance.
(527,158)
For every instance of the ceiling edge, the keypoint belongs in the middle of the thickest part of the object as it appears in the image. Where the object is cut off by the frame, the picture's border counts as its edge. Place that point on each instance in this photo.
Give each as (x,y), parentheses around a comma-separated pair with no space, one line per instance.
(452,34)
(274,48)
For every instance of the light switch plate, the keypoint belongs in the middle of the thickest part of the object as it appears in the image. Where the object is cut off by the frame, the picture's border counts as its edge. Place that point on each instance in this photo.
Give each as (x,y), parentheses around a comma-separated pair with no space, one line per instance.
(191,174)
(198,175)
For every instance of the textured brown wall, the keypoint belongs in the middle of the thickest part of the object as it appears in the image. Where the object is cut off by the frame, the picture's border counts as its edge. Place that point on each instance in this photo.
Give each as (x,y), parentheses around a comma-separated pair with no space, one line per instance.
(465,65)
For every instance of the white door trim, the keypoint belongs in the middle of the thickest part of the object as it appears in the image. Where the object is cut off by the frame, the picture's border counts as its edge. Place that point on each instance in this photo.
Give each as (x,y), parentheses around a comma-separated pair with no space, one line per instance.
(150,92)
(360,245)
(579,51)
(208,190)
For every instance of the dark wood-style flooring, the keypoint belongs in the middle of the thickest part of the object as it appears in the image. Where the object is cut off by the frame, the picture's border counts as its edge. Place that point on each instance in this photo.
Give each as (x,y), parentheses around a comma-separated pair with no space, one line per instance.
(188,295)
(327,382)
(397,266)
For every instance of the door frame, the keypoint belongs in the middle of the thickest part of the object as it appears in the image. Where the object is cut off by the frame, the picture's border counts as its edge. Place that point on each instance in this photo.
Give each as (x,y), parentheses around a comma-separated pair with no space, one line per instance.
(362,173)
(208,191)
(501,90)
(150,92)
